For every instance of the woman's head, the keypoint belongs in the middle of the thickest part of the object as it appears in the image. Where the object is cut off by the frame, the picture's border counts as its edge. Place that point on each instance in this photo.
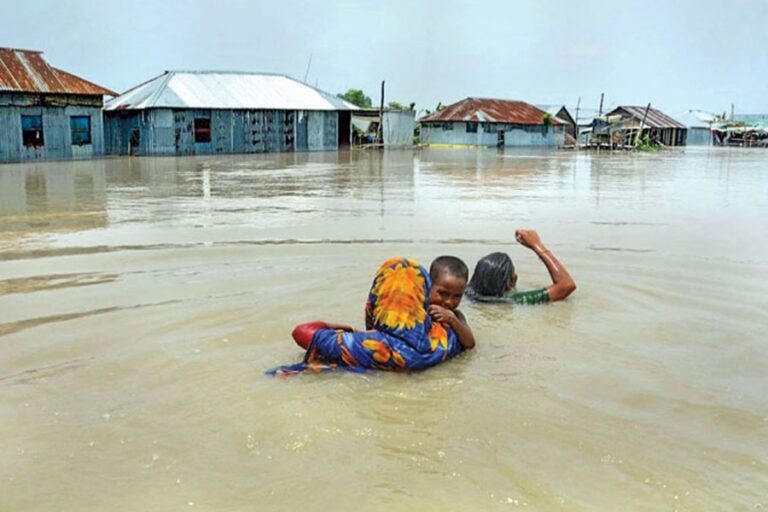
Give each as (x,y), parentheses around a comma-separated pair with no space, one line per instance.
(494,275)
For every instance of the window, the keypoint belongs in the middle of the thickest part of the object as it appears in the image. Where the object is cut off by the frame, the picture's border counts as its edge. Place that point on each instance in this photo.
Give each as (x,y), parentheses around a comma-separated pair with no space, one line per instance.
(32,131)
(447,126)
(202,130)
(471,127)
(80,128)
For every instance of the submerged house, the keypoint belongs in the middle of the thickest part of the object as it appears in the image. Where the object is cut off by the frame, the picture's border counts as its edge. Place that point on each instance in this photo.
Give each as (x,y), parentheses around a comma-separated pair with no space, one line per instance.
(491,123)
(210,112)
(620,126)
(46,112)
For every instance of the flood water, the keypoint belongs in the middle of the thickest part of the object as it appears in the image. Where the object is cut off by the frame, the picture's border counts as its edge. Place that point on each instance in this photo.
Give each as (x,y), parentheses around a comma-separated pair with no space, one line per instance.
(142,299)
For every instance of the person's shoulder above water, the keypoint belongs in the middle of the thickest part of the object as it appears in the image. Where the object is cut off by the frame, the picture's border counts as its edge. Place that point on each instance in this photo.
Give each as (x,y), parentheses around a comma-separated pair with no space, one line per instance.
(531,297)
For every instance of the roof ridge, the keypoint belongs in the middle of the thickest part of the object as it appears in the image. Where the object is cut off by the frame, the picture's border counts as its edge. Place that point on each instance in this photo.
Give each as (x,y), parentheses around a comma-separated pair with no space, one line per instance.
(495,99)
(7,48)
(224,72)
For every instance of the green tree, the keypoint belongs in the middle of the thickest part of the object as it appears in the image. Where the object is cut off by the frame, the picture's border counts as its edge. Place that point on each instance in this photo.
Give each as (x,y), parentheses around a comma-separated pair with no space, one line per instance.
(546,120)
(396,106)
(356,97)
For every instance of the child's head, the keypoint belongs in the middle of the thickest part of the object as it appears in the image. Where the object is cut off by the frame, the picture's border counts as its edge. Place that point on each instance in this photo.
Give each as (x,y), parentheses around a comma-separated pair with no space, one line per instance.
(494,275)
(449,278)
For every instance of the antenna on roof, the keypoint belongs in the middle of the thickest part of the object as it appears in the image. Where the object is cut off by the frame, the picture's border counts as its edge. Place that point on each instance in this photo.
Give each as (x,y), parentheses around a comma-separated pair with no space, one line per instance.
(306,75)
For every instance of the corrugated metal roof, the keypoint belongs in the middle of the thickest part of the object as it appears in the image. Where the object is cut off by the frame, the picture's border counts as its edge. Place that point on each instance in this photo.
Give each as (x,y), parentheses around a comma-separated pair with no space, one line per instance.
(488,110)
(656,118)
(27,71)
(226,90)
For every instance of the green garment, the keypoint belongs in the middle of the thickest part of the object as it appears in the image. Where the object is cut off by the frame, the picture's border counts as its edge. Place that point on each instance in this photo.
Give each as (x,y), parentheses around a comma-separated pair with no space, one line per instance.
(531,297)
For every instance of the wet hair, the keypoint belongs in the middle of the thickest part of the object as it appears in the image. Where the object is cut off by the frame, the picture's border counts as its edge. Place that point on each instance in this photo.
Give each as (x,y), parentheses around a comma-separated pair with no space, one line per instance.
(491,277)
(451,264)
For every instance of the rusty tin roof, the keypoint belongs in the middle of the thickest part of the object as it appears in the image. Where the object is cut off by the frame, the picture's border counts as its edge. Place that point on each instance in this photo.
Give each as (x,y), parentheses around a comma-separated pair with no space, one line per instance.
(27,71)
(656,118)
(487,110)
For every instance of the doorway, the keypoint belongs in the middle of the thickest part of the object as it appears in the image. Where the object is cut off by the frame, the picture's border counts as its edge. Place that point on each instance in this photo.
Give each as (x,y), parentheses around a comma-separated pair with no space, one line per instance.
(345,128)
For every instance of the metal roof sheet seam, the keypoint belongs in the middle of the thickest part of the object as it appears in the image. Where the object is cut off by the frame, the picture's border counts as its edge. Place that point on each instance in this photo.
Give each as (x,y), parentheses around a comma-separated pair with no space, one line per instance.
(489,110)
(226,90)
(28,71)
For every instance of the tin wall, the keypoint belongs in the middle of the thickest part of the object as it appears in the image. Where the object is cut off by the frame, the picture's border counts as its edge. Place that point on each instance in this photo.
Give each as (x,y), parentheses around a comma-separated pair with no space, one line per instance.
(171,132)
(699,136)
(487,135)
(57,134)
(397,129)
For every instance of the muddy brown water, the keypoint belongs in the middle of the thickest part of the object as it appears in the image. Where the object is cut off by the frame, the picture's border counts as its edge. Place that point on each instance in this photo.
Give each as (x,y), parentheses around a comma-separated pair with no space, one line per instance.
(142,299)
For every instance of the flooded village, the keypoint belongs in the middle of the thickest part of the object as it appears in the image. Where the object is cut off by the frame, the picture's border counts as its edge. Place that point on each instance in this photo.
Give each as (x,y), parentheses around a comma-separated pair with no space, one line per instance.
(181,191)
(48,113)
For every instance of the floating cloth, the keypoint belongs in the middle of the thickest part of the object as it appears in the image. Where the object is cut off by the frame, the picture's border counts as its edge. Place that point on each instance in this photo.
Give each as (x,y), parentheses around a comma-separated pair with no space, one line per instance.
(401,335)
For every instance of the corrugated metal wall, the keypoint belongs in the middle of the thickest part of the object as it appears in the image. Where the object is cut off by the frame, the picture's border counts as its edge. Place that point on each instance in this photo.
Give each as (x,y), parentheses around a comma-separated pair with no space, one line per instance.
(171,132)
(699,136)
(487,135)
(57,133)
(397,128)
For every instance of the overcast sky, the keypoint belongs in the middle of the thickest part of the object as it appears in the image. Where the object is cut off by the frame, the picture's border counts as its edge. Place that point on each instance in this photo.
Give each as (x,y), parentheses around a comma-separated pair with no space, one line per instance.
(678,55)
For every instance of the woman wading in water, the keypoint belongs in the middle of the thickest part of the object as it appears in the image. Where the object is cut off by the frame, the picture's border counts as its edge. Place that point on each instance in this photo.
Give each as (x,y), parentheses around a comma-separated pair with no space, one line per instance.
(494,278)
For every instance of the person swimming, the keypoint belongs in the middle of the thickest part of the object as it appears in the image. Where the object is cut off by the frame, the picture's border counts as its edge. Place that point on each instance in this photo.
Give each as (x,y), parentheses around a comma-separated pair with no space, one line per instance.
(495,279)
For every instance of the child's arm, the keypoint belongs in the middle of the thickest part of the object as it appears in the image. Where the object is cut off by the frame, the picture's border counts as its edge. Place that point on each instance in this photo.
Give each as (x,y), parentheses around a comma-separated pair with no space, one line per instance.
(456,321)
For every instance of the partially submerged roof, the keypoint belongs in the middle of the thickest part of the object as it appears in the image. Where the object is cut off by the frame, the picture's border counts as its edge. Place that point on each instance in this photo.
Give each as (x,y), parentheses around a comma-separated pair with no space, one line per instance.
(27,71)
(486,110)
(229,90)
(655,119)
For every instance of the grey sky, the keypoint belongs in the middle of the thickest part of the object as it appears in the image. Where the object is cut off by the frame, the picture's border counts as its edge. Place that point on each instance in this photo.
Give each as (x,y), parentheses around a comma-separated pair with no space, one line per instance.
(676,54)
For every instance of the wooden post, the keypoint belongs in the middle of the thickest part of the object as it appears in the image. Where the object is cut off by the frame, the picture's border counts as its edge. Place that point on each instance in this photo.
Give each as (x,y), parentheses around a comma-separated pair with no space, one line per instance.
(380,135)
(600,112)
(640,131)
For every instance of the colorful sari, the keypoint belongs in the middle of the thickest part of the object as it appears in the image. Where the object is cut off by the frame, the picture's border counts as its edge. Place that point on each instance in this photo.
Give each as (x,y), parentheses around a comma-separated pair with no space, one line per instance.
(401,336)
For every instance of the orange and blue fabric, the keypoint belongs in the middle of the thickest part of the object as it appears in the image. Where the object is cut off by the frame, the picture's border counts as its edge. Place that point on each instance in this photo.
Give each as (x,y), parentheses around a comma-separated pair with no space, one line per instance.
(401,336)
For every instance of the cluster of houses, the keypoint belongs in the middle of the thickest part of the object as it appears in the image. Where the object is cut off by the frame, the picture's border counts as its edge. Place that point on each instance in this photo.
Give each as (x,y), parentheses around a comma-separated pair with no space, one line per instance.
(47,113)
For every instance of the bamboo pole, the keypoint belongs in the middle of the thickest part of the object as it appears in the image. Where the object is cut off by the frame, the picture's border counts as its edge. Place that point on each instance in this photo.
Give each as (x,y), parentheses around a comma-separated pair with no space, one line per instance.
(380,135)
(578,104)
(640,131)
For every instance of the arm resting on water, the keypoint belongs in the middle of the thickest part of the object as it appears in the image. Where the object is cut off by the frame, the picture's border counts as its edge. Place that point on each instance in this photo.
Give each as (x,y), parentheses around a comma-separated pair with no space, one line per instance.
(562,282)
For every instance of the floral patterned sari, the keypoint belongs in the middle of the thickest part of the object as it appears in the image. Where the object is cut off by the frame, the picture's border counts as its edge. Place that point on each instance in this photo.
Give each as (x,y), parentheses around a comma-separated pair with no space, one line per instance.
(401,335)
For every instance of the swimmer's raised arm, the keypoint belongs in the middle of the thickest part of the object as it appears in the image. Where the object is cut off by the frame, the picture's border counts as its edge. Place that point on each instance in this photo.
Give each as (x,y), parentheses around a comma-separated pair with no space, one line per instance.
(562,282)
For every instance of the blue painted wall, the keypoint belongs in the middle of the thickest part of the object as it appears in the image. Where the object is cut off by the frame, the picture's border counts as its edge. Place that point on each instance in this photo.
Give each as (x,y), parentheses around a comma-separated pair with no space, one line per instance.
(56,111)
(171,132)
(487,135)
(699,136)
